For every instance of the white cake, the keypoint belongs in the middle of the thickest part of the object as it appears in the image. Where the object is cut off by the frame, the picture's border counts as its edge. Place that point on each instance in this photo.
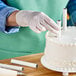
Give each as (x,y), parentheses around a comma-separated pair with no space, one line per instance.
(60,53)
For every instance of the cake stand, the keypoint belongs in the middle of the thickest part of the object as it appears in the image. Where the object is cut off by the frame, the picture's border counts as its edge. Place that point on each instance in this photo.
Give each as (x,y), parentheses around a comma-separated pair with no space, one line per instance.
(65,71)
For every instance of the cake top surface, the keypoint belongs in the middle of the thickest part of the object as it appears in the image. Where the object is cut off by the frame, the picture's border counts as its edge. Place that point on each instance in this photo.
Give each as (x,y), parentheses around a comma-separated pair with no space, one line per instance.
(67,37)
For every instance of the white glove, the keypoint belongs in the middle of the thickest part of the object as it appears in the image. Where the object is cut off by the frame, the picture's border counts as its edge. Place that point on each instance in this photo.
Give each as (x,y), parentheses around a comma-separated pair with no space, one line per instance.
(37,21)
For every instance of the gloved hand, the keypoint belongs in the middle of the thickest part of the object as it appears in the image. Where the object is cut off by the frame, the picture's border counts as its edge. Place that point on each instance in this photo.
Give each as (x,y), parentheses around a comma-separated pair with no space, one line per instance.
(37,21)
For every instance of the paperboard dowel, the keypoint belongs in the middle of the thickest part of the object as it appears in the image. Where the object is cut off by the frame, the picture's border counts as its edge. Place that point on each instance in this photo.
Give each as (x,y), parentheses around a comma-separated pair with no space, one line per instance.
(24,63)
(59,25)
(65,19)
(20,73)
(18,68)
(7,72)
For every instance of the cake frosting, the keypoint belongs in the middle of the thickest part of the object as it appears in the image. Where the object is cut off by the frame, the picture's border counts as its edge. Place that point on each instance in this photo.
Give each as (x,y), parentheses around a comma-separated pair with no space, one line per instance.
(61,52)
(67,37)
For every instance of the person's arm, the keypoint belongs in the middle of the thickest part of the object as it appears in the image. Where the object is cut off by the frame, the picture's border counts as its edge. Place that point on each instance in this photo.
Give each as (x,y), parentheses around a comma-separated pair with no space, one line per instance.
(5,14)
(11,20)
(37,21)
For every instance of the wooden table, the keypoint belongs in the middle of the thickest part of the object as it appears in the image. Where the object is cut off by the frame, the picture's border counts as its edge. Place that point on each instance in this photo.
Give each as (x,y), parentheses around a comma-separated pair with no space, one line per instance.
(40,71)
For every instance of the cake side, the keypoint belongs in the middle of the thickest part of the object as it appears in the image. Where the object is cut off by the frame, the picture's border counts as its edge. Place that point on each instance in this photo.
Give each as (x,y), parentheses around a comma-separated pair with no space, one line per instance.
(61,52)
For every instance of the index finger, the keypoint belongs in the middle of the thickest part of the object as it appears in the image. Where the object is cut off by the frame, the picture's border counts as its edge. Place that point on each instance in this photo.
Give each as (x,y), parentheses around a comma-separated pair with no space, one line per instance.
(51,22)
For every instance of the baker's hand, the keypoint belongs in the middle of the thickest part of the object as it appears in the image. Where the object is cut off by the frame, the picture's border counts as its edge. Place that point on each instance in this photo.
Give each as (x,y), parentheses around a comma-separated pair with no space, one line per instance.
(37,21)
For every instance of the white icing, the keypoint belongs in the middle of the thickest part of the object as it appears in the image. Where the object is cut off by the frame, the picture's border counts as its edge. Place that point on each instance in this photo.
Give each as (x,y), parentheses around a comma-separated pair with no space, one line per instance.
(67,37)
